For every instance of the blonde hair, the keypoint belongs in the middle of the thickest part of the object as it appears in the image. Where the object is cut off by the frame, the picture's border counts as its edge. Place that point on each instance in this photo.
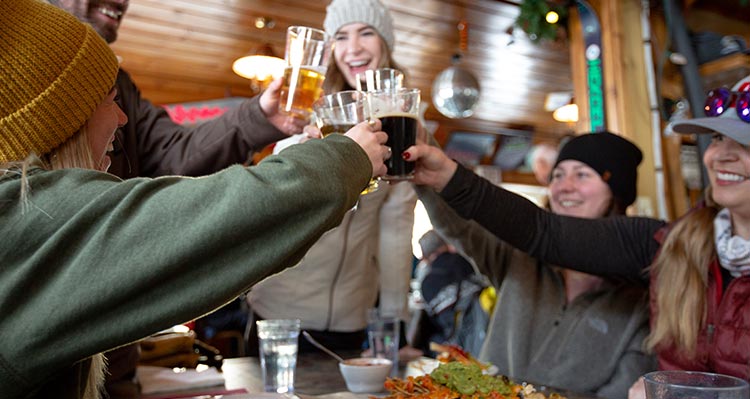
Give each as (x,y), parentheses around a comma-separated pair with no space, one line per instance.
(681,281)
(74,152)
(335,81)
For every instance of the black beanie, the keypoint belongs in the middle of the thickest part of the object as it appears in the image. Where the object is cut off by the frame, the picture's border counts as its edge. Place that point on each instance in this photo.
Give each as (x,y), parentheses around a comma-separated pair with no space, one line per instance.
(614,157)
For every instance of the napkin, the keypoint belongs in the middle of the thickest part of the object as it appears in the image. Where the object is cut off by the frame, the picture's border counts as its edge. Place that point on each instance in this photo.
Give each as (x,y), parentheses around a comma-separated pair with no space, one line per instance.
(163,379)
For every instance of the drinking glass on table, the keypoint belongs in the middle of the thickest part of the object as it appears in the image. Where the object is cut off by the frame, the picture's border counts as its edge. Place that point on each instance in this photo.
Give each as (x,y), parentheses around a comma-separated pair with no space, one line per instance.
(383,79)
(339,112)
(383,332)
(694,385)
(398,111)
(307,53)
(277,343)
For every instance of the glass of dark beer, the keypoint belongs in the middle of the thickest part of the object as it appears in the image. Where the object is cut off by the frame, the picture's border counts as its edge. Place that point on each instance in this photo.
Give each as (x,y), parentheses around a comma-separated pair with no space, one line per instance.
(339,112)
(307,53)
(398,111)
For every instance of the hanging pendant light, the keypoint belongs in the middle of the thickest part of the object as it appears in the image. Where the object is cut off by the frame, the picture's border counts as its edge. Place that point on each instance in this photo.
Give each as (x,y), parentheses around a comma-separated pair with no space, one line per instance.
(455,91)
(261,66)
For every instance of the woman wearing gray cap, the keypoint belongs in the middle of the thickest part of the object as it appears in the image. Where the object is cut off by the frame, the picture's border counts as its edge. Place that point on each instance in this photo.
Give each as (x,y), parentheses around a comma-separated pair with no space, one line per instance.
(700,265)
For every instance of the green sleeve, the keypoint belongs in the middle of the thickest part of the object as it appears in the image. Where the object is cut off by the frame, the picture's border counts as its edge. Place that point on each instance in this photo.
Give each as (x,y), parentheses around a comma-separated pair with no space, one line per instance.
(96,262)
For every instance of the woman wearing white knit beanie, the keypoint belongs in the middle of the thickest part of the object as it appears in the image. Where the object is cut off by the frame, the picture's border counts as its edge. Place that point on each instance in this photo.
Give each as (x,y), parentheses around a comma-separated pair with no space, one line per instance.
(368,258)
(363,39)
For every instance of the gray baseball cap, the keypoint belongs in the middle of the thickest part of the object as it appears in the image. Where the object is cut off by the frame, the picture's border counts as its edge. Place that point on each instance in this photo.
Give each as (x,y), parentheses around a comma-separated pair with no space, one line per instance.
(728,123)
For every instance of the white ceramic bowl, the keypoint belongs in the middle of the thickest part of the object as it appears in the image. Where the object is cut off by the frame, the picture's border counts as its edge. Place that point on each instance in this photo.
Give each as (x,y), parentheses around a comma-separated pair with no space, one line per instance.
(365,374)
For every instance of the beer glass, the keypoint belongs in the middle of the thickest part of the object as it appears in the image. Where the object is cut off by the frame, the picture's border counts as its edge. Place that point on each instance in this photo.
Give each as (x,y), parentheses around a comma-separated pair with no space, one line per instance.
(307,53)
(398,110)
(384,79)
(339,112)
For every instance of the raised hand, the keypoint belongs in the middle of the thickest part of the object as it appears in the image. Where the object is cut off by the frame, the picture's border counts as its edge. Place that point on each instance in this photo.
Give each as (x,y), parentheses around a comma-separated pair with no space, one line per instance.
(269,104)
(372,139)
(433,168)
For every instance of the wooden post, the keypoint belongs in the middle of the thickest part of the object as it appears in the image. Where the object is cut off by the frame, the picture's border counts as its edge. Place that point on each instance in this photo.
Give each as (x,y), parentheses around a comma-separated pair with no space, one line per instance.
(626,93)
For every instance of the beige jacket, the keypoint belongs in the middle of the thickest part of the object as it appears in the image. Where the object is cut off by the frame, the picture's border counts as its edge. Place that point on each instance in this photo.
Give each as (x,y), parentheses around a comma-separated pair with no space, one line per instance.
(341,275)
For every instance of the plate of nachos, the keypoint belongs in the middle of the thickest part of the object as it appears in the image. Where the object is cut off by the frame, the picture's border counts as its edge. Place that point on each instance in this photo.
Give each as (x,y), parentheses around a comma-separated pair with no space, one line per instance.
(456,380)
(446,353)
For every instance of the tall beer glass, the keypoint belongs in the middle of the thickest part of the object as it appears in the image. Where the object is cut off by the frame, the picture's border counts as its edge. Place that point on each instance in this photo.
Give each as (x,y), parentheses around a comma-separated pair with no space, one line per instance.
(307,53)
(383,79)
(398,110)
(339,112)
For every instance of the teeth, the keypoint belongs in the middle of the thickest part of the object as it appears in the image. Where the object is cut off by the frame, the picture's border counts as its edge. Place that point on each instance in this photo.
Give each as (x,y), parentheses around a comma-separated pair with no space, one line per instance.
(730,176)
(114,14)
(110,147)
(568,204)
(357,63)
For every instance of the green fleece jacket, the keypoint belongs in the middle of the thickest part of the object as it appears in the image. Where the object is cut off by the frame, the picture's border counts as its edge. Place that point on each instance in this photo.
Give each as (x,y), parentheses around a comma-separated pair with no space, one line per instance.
(94,262)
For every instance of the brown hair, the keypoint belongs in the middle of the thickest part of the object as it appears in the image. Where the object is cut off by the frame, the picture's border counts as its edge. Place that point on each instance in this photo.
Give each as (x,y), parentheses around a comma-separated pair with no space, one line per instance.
(681,281)
(335,81)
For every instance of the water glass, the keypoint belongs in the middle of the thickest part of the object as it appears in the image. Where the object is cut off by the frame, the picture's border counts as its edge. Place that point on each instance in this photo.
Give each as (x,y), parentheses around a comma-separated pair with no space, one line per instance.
(383,336)
(277,341)
(694,385)
(307,53)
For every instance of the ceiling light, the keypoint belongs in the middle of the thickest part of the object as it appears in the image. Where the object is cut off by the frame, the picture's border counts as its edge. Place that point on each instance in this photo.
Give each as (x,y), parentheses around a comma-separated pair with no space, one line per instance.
(552,17)
(260,65)
(566,113)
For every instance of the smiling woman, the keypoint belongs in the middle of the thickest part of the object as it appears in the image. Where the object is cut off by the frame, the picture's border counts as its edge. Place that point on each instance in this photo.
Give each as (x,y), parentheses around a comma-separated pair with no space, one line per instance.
(363,40)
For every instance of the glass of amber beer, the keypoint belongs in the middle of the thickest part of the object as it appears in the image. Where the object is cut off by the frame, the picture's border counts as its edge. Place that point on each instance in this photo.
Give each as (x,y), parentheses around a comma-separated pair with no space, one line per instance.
(307,53)
(398,111)
(339,112)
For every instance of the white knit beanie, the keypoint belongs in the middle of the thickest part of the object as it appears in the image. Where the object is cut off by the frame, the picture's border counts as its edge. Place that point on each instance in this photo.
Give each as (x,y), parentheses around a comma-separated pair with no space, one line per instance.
(369,12)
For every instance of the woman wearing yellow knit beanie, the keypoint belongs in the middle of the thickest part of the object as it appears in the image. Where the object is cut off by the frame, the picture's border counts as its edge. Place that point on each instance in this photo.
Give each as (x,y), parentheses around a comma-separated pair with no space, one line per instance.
(91,262)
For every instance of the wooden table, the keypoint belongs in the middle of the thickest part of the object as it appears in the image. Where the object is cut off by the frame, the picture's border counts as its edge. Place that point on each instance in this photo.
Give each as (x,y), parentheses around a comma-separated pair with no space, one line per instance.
(317,377)
(316,374)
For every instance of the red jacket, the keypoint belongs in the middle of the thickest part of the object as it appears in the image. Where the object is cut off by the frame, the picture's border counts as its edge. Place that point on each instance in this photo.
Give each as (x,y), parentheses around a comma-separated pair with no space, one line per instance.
(724,341)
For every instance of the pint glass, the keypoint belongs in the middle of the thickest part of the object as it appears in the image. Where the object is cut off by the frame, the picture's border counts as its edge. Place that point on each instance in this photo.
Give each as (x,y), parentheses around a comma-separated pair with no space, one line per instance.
(398,110)
(383,79)
(307,53)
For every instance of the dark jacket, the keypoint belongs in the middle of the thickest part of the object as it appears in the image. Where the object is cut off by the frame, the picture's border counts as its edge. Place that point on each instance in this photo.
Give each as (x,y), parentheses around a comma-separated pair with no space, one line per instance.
(151,144)
(616,247)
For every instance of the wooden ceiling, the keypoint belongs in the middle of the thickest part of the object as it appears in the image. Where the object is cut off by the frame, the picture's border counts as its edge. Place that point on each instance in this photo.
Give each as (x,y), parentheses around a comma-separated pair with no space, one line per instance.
(182,50)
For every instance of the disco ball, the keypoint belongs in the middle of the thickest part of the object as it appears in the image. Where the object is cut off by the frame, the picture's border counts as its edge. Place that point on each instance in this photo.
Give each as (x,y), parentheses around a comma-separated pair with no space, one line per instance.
(455,93)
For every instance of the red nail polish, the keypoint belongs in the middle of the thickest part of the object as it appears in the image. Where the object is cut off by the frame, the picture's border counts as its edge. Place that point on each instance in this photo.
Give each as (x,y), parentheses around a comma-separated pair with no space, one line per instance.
(406,155)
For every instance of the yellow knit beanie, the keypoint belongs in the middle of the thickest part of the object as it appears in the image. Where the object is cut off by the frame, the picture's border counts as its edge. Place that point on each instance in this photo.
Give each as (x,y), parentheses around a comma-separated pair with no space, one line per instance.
(54,72)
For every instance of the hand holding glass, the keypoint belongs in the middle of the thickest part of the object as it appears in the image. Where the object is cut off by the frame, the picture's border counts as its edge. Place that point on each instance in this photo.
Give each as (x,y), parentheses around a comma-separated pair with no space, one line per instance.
(339,112)
(398,111)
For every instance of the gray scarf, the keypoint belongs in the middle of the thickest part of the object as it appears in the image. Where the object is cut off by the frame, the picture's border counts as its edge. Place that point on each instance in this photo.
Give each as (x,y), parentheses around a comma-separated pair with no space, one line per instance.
(733,251)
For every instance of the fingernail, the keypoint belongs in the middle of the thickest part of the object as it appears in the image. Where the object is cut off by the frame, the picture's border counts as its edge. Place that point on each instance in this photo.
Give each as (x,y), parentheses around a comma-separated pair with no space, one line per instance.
(406,155)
